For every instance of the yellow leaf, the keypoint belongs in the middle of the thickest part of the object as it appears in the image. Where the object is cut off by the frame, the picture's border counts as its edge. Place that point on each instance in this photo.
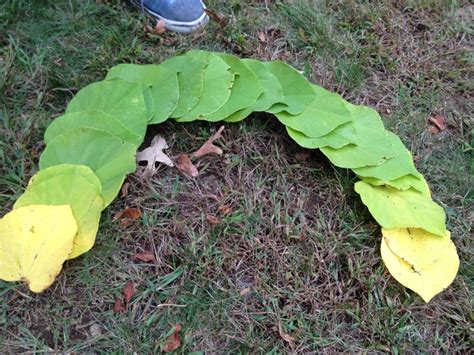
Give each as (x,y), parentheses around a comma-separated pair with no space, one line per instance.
(35,241)
(427,281)
(416,246)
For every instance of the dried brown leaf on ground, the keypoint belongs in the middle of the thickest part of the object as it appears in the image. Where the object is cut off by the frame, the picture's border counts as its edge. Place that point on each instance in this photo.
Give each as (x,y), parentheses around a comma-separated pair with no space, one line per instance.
(261,36)
(146,257)
(186,166)
(285,336)
(438,122)
(154,153)
(209,147)
(225,209)
(127,216)
(128,291)
(213,219)
(174,341)
(158,29)
(118,306)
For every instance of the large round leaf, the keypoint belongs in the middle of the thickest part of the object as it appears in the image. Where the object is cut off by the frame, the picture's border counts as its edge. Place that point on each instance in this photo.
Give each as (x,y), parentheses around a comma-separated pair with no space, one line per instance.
(272,91)
(34,243)
(394,168)
(216,89)
(90,119)
(373,149)
(337,139)
(122,99)
(297,91)
(320,117)
(416,246)
(145,74)
(109,157)
(428,281)
(162,84)
(394,209)
(190,73)
(74,185)
(165,93)
(246,89)
(373,146)
(402,183)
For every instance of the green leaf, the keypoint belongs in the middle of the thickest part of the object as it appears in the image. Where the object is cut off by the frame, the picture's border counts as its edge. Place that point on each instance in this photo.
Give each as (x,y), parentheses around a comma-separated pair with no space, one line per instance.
(165,93)
(337,139)
(147,75)
(373,148)
(297,91)
(149,102)
(391,169)
(320,117)
(364,116)
(373,145)
(162,84)
(394,209)
(90,119)
(122,99)
(402,183)
(109,157)
(74,185)
(216,89)
(273,92)
(245,91)
(190,73)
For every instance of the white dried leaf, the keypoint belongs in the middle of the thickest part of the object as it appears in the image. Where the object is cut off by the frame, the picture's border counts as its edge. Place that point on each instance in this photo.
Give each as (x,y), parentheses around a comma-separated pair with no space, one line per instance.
(154,153)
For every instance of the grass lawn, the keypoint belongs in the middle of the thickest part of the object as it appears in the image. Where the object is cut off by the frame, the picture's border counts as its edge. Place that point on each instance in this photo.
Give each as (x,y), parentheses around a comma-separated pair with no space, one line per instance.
(293,264)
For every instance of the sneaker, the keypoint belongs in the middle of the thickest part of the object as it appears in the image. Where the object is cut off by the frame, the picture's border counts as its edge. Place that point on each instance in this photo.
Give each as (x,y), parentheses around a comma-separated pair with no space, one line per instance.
(184,16)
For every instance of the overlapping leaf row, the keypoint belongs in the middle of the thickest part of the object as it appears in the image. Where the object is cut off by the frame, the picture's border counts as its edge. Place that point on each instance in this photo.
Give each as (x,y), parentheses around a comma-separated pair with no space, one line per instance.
(91,148)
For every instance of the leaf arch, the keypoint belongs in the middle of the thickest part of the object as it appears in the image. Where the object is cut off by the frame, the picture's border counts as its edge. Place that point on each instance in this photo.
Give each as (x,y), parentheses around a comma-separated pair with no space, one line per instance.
(210,86)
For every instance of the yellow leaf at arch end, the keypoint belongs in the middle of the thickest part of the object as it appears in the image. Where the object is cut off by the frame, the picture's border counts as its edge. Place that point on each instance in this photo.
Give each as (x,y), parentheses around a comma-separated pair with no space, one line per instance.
(430,278)
(35,241)
(416,246)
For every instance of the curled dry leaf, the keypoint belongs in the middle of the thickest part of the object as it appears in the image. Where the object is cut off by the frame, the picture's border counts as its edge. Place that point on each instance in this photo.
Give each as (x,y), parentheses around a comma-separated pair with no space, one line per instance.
(154,153)
(146,257)
(285,336)
(186,166)
(224,209)
(159,28)
(261,36)
(209,147)
(174,341)
(119,306)
(438,122)
(127,216)
(128,291)
(213,219)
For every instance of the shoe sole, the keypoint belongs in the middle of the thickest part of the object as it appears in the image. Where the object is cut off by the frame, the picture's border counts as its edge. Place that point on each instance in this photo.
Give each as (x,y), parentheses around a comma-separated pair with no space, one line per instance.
(177,26)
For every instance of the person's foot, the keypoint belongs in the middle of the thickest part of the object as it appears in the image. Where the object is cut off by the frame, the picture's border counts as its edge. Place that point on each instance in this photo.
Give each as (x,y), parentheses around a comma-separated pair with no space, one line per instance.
(184,16)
